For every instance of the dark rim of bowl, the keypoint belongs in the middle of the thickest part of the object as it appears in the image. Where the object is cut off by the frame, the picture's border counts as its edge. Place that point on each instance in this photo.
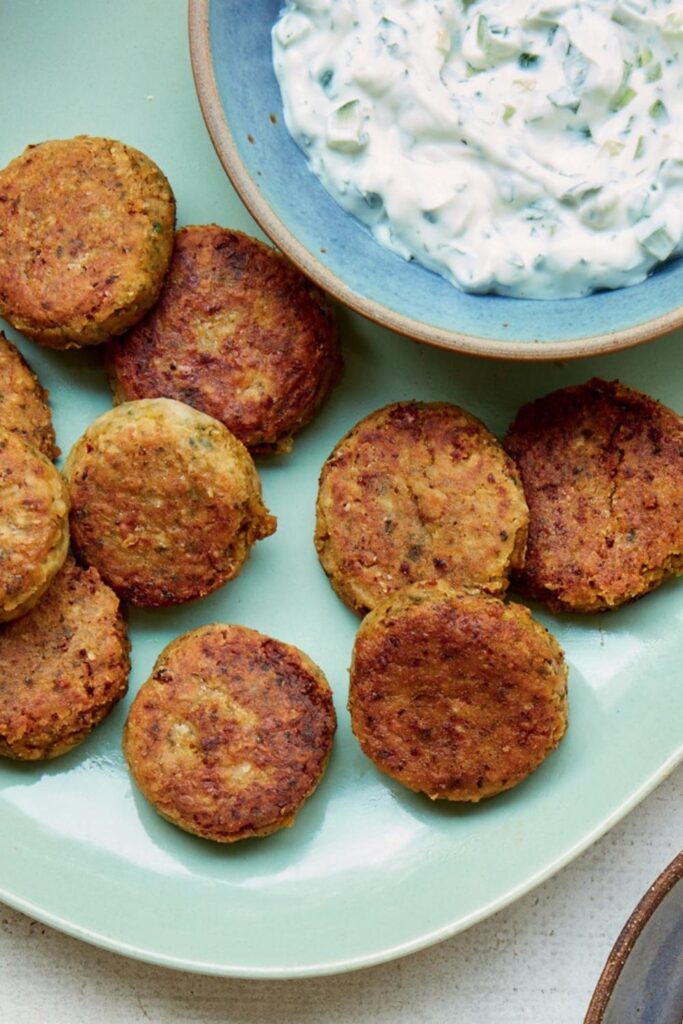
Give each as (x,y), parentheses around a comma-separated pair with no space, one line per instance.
(630,933)
(279,233)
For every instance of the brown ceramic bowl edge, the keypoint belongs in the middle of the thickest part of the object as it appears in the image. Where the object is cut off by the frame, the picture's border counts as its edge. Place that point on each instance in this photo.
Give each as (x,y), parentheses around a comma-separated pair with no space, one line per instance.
(628,937)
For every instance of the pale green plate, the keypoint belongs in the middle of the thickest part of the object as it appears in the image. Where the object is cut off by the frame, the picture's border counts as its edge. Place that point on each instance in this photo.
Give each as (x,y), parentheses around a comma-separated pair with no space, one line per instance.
(369,872)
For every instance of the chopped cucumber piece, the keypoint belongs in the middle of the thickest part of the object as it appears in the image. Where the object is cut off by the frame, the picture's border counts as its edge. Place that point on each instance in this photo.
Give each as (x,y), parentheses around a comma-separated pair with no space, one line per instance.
(344,129)
(658,243)
(565,99)
(291,28)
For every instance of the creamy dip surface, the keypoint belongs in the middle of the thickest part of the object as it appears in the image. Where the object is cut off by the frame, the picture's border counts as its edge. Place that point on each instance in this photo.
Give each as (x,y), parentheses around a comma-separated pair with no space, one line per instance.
(527,147)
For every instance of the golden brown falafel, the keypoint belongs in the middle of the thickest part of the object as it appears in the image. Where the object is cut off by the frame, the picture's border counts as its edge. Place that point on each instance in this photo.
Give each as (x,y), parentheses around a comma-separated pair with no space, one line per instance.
(456,694)
(239,333)
(86,233)
(63,666)
(231,733)
(166,503)
(602,468)
(418,491)
(34,528)
(24,408)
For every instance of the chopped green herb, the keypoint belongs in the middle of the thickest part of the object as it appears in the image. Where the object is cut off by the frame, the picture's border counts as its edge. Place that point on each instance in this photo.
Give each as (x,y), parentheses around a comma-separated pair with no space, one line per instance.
(528,60)
(623,97)
(658,111)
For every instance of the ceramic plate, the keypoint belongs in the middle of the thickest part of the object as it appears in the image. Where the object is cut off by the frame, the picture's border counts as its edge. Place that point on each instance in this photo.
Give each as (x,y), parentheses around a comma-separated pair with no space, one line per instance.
(369,872)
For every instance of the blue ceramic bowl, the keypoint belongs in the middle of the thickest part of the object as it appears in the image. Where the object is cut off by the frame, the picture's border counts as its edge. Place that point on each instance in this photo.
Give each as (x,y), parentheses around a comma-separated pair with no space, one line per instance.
(240,99)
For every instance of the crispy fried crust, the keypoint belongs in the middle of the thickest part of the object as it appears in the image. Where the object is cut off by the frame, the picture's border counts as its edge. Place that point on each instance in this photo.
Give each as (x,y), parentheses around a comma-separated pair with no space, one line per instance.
(602,467)
(166,503)
(63,666)
(455,694)
(86,233)
(231,733)
(34,530)
(238,333)
(24,408)
(418,491)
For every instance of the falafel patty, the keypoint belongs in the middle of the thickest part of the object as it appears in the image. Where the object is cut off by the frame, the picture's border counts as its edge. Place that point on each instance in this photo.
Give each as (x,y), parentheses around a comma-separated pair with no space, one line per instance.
(166,503)
(86,233)
(456,695)
(63,666)
(34,528)
(231,733)
(418,491)
(602,468)
(24,408)
(238,333)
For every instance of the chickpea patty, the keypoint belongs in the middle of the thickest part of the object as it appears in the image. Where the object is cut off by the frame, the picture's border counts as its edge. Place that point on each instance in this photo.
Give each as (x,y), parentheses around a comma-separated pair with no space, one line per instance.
(34,529)
(24,407)
(602,467)
(456,694)
(231,733)
(63,666)
(166,503)
(238,333)
(418,491)
(86,232)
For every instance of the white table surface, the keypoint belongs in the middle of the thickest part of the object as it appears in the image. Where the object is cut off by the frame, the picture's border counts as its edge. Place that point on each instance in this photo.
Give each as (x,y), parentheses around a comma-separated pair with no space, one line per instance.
(538,961)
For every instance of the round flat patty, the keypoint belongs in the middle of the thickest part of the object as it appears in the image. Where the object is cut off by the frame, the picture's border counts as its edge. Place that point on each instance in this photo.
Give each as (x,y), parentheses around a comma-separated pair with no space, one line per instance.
(602,468)
(238,333)
(86,232)
(418,491)
(34,530)
(454,694)
(63,666)
(231,733)
(24,408)
(165,502)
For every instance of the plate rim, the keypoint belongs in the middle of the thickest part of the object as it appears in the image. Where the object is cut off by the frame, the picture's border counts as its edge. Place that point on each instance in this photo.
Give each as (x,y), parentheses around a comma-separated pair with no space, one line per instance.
(223,141)
(346,965)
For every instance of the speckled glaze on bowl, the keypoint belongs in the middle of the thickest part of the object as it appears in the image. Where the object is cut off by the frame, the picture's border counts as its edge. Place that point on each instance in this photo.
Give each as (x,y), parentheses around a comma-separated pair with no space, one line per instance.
(643,977)
(240,100)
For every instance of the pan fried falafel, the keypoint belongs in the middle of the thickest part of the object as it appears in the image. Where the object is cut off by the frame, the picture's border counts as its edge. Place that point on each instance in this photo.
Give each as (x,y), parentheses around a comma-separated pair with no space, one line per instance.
(418,491)
(231,733)
(602,468)
(456,695)
(63,666)
(238,333)
(34,528)
(24,407)
(86,233)
(166,503)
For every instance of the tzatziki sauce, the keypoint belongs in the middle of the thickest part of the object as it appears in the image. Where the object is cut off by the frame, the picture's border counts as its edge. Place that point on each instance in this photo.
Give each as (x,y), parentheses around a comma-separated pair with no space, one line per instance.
(532,148)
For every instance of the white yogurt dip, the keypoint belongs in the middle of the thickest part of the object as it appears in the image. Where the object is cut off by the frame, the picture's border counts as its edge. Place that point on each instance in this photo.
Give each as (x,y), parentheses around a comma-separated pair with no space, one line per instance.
(527,147)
